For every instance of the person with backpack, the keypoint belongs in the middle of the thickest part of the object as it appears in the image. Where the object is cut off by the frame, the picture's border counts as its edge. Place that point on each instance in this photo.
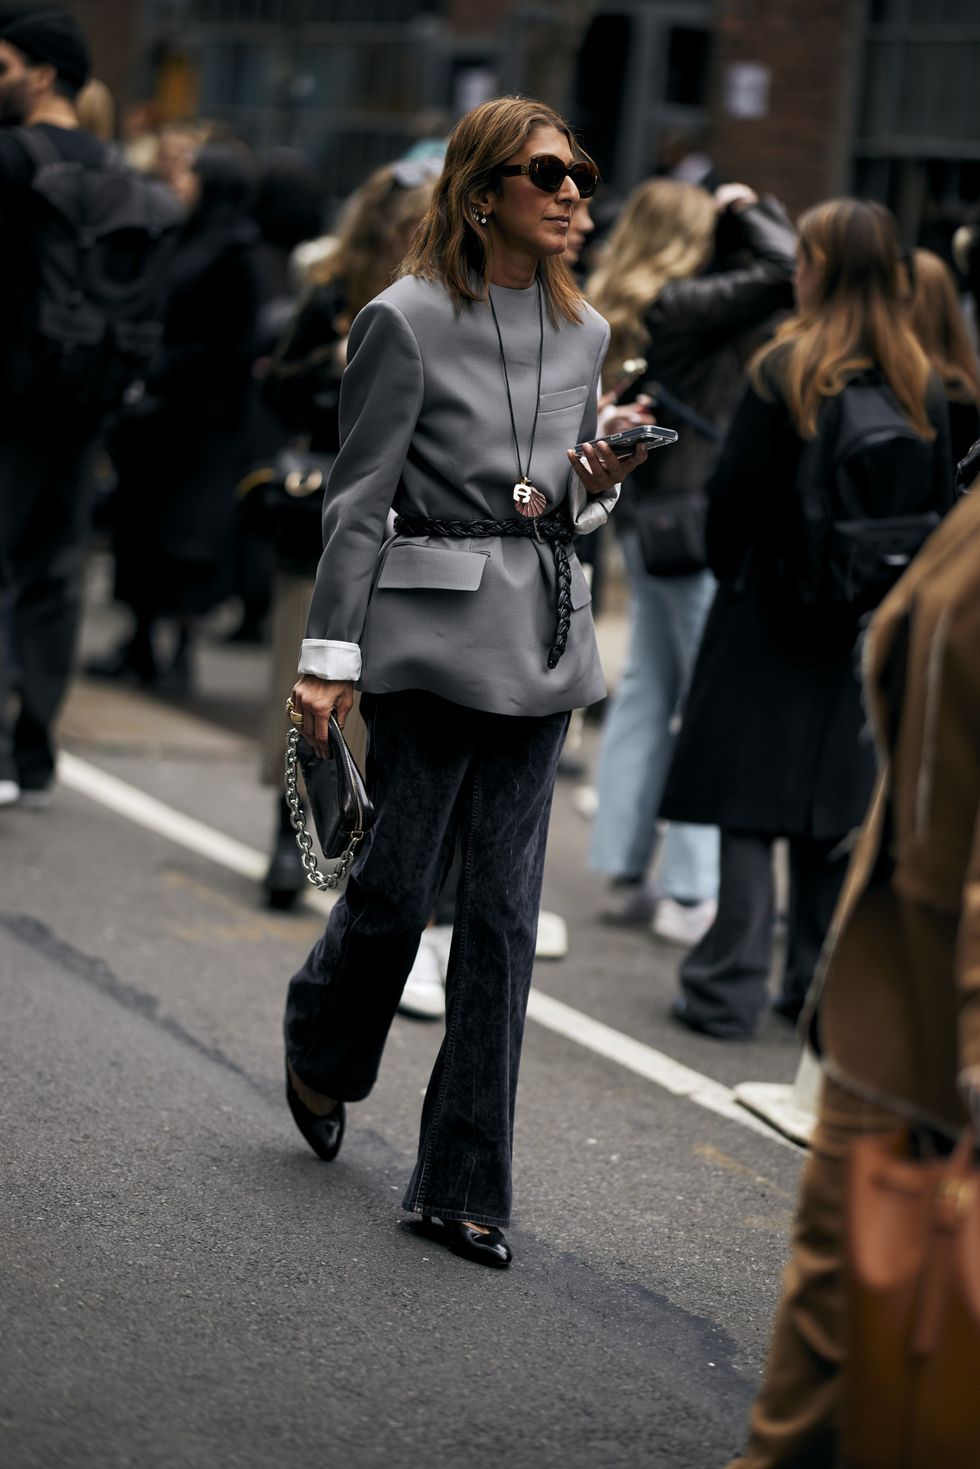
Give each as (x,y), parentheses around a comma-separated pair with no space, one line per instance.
(81,246)
(834,472)
(687,277)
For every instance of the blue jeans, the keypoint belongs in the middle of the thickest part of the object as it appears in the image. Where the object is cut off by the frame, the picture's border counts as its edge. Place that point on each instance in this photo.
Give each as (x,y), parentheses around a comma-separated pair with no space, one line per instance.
(667,617)
(438,774)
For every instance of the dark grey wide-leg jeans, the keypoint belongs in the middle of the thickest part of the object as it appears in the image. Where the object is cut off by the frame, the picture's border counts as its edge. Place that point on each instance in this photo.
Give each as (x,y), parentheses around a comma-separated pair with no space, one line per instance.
(438,773)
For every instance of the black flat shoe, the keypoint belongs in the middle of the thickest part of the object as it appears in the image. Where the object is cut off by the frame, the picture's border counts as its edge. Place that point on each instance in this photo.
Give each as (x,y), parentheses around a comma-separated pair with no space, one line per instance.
(486,1249)
(680,1012)
(788,1008)
(324,1134)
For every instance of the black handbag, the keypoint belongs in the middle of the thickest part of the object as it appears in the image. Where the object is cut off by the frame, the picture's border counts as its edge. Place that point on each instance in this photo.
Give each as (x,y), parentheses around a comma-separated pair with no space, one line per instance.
(283,501)
(671,527)
(341,808)
(671,532)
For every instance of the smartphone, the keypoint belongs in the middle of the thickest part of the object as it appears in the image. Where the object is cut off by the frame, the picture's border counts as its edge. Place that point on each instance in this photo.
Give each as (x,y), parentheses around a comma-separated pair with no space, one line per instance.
(623,444)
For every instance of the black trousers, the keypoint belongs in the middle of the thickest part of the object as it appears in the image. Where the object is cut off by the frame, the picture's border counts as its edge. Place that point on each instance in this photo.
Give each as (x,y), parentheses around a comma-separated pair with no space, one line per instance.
(44,515)
(438,774)
(725,978)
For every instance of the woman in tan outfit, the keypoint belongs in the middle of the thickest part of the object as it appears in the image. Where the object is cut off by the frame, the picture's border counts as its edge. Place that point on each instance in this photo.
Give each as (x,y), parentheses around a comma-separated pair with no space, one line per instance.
(898,1014)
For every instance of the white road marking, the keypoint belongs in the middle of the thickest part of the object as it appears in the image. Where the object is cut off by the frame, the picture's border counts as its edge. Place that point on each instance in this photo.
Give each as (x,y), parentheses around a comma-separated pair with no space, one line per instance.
(186,831)
(554,1015)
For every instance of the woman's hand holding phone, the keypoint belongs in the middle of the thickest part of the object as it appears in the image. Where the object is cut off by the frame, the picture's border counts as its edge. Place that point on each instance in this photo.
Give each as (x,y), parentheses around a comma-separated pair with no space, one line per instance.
(599,469)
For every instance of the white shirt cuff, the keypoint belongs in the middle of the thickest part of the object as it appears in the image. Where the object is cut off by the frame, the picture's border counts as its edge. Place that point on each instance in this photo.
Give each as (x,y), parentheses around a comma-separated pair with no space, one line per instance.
(590,511)
(325,658)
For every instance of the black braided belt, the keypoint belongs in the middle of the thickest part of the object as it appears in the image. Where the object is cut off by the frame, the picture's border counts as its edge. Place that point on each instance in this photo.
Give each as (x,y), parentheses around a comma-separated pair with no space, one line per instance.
(552,528)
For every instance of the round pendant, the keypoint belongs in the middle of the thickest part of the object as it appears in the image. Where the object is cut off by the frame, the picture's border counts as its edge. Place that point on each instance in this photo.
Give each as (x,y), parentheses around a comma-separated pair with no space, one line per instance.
(529,501)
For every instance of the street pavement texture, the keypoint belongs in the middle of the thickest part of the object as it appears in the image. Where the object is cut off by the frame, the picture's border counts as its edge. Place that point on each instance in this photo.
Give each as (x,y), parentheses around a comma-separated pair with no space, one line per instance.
(183,1284)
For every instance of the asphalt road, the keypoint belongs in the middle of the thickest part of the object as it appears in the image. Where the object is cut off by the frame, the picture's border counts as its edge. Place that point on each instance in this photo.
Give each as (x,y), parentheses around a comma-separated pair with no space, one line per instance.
(183,1284)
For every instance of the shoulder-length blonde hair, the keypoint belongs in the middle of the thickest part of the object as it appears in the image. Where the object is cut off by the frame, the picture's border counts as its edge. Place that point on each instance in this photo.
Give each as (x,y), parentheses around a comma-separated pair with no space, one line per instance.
(939,325)
(858,319)
(373,233)
(450,246)
(665,233)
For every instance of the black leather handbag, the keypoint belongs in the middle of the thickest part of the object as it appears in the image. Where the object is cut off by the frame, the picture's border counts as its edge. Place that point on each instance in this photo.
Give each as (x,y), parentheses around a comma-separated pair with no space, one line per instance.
(671,527)
(671,532)
(341,808)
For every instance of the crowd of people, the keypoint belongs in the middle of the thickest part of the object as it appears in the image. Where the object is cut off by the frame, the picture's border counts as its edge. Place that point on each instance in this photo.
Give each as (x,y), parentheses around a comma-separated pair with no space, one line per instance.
(824,384)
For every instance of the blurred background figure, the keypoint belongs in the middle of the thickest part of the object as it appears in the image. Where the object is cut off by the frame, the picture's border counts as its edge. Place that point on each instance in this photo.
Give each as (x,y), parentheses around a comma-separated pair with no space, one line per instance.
(181,447)
(940,326)
(174,155)
(302,386)
(96,110)
(687,275)
(81,319)
(581,227)
(288,212)
(771,744)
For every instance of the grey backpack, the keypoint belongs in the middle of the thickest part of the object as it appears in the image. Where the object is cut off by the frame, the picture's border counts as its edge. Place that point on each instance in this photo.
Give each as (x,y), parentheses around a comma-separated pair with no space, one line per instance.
(102,240)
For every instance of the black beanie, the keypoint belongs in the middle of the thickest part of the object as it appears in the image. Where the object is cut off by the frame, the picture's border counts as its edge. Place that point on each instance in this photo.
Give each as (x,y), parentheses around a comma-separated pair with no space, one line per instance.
(52,38)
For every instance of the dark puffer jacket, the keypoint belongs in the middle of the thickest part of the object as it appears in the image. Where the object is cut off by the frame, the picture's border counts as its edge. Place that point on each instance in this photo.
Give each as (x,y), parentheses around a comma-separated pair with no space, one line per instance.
(700,332)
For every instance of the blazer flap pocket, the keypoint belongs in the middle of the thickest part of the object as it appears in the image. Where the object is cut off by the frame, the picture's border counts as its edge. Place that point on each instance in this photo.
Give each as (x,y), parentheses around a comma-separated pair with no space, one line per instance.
(429,568)
(568,398)
(580,593)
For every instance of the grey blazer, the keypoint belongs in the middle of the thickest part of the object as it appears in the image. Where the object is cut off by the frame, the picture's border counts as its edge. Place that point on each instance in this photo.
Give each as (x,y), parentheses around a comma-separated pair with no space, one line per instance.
(425,430)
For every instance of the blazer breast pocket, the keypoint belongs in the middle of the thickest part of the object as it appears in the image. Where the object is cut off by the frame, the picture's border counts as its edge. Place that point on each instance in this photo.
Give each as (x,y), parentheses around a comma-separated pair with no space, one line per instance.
(567,398)
(429,568)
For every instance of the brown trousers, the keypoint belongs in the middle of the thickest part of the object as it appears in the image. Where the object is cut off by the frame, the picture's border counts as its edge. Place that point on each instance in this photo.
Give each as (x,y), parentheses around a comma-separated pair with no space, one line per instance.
(793,1424)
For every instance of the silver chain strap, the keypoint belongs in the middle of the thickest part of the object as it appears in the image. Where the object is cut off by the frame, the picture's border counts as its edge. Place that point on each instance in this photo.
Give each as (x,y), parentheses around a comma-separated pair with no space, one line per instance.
(297,818)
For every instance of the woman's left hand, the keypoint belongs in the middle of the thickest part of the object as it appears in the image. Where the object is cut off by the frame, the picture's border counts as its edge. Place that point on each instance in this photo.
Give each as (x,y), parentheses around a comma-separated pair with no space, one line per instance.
(600,470)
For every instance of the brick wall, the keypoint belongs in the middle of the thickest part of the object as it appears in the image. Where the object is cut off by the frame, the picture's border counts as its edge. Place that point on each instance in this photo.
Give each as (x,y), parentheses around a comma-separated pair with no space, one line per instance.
(799,151)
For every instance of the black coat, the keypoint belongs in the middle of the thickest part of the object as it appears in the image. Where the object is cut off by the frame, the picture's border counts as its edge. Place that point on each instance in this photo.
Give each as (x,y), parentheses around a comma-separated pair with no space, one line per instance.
(773,739)
(181,451)
(699,328)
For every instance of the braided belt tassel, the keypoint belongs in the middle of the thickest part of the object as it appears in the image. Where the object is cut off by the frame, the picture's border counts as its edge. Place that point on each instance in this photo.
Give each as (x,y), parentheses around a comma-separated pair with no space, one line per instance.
(563,603)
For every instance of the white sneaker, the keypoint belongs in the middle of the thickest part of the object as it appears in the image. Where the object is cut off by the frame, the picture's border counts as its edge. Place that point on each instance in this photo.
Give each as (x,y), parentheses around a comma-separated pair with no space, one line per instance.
(9,792)
(552,940)
(424,995)
(684,924)
(439,937)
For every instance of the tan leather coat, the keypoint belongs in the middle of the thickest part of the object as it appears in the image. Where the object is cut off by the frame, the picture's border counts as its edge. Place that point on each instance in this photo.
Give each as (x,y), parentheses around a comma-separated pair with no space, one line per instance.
(899,1002)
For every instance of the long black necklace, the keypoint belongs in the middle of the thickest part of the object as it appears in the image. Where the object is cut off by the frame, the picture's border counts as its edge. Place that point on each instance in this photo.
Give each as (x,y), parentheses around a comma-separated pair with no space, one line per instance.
(529,501)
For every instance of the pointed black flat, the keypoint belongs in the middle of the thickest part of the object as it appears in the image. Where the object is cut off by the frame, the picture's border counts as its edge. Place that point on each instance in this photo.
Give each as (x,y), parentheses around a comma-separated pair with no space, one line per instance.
(324,1134)
(485,1249)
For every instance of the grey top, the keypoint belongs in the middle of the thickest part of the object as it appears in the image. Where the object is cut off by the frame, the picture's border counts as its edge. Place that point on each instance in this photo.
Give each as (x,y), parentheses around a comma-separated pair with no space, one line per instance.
(425,430)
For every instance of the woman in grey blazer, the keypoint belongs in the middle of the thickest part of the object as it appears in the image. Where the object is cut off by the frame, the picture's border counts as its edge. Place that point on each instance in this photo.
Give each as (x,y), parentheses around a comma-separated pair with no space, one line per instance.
(470,635)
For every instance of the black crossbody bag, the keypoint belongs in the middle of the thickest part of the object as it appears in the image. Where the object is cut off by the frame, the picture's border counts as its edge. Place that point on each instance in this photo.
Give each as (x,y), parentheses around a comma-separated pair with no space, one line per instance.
(671,528)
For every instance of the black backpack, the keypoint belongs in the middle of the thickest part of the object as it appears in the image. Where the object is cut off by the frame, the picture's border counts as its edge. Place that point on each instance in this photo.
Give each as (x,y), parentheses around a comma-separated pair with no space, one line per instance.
(102,240)
(864,504)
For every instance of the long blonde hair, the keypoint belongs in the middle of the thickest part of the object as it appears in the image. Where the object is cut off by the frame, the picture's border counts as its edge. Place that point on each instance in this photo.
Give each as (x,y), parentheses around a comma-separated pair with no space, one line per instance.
(858,319)
(665,233)
(450,246)
(940,326)
(373,230)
